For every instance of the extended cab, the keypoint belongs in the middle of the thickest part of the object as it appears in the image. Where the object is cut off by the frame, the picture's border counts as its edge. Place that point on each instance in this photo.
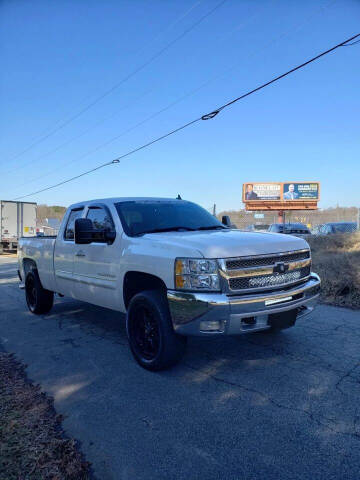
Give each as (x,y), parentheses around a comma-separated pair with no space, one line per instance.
(173,268)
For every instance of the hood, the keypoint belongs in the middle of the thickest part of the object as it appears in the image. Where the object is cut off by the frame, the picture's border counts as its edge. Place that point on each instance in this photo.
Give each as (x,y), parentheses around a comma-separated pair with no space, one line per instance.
(229,243)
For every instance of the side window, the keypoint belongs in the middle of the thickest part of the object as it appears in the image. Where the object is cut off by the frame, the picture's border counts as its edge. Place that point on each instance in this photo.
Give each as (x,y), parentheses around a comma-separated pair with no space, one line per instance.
(101,218)
(102,221)
(69,230)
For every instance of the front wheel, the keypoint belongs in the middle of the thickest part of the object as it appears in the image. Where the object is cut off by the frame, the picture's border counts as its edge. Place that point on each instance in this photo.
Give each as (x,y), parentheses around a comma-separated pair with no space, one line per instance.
(151,336)
(38,299)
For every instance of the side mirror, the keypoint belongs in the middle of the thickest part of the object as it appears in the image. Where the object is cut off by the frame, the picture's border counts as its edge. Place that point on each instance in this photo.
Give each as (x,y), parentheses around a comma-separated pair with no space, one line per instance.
(83,231)
(109,236)
(226,221)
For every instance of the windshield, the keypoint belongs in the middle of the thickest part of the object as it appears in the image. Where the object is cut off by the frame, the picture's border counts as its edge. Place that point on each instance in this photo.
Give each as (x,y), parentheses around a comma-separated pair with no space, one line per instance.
(139,217)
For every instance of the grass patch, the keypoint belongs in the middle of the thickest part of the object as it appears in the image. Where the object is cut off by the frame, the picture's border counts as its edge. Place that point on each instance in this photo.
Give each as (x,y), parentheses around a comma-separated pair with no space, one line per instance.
(32,443)
(336,258)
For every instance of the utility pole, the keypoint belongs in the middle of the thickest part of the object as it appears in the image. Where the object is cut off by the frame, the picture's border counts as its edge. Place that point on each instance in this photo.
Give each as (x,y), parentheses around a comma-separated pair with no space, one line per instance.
(214,210)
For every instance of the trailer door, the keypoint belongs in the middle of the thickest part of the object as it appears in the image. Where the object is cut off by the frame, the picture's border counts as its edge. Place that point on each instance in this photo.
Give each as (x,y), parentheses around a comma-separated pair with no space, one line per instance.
(28,220)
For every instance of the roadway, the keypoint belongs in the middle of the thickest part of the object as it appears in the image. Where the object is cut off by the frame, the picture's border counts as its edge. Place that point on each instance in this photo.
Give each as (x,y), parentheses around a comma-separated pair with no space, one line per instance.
(264,406)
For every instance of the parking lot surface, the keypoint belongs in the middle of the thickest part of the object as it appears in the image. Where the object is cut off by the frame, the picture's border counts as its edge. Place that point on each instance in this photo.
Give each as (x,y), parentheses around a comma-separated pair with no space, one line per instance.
(262,406)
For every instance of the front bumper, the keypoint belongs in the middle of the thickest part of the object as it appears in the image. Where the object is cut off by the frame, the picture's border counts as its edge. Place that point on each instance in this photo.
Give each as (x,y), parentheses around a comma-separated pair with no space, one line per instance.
(194,313)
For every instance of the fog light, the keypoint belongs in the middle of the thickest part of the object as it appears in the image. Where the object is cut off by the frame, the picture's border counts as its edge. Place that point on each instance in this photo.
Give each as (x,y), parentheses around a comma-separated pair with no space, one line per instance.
(210,326)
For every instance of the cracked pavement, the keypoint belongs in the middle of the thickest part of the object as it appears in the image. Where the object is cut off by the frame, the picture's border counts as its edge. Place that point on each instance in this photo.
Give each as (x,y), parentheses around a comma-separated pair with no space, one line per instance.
(262,406)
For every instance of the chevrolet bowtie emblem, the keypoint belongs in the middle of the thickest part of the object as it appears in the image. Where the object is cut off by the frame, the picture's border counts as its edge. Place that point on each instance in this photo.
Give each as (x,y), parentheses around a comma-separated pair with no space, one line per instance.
(280,267)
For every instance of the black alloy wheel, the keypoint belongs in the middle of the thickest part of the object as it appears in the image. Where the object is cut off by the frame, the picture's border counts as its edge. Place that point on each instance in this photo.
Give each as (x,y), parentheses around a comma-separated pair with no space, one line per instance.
(38,299)
(31,292)
(151,335)
(145,332)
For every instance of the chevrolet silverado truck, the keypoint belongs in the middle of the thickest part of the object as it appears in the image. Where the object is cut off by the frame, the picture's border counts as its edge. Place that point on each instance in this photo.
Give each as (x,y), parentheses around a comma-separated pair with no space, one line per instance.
(174,269)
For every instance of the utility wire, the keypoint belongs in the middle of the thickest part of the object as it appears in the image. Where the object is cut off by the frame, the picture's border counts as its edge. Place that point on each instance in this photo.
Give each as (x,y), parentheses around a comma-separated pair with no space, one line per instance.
(123,80)
(134,127)
(116,160)
(207,116)
(219,109)
(76,137)
(188,94)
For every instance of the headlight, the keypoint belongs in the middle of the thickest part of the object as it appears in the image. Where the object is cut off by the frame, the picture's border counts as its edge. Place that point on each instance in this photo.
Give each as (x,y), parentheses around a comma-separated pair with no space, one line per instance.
(196,274)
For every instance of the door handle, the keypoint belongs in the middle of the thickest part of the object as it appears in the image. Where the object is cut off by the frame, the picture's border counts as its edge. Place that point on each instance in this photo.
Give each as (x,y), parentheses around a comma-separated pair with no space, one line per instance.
(80,254)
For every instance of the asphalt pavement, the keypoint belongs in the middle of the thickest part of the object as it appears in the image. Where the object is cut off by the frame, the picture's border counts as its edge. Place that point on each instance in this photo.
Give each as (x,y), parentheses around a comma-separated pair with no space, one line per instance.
(261,406)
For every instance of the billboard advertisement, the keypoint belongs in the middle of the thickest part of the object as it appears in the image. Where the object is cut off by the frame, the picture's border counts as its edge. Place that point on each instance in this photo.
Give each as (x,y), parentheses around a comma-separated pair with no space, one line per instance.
(281,192)
(300,191)
(261,191)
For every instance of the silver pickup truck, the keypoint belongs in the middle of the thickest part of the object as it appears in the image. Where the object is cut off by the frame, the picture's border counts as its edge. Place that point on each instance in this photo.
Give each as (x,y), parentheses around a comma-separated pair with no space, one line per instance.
(174,269)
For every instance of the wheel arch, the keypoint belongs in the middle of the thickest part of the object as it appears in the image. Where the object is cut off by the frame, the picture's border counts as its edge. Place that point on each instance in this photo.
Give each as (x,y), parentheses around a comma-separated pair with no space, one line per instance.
(28,265)
(136,282)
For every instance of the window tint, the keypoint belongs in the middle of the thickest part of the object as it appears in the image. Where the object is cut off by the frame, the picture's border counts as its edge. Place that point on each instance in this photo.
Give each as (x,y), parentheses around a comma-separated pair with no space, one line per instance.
(69,231)
(100,218)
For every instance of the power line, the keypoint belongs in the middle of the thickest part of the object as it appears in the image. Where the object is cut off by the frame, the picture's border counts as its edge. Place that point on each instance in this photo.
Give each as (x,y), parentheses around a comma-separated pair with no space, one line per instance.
(123,80)
(217,110)
(207,116)
(76,137)
(116,160)
(188,94)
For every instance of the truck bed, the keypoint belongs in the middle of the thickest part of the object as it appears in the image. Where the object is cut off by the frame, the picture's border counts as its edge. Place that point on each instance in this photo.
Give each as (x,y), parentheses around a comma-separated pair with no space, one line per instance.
(41,251)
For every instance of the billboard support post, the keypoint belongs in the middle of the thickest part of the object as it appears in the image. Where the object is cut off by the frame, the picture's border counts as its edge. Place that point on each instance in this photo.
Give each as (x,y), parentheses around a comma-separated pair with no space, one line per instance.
(281,216)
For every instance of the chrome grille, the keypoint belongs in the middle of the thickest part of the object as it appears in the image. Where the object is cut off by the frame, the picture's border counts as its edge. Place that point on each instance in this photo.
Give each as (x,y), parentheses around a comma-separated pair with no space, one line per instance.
(264,281)
(264,260)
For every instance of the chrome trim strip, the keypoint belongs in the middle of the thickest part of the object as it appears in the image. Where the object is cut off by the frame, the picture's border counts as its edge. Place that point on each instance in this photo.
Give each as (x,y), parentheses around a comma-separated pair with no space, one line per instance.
(263,270)
(281,254)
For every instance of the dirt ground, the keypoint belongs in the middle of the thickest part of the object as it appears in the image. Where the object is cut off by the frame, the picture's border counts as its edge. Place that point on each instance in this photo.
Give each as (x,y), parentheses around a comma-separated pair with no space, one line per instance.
(32,443)
(336,258)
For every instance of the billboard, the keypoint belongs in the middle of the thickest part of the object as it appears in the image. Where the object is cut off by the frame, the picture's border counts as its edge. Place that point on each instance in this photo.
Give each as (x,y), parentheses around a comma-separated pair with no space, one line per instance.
(300,191)
(281,192)
(261,191)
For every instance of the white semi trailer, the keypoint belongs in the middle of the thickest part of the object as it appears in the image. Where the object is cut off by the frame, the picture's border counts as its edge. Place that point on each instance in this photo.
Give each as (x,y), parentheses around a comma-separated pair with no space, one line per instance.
(17,219)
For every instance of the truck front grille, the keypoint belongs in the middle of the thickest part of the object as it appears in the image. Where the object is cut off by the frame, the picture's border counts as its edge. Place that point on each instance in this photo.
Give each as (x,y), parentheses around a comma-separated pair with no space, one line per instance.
(262,260)
(266,271)
(277,279)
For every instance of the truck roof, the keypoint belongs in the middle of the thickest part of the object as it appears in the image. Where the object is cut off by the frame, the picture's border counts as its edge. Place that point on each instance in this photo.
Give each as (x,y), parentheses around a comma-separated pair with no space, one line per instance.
(122,199)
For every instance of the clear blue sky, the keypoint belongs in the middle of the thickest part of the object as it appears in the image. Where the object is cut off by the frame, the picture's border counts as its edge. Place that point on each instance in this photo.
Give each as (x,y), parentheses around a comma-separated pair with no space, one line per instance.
(56,57)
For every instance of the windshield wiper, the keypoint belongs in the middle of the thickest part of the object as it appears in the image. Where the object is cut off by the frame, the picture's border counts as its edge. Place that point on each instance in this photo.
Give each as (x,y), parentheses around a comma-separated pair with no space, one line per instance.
(213,227)
(166,229)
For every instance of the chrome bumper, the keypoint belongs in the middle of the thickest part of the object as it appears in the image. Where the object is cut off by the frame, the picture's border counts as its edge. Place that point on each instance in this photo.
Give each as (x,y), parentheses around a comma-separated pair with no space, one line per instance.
(194,313)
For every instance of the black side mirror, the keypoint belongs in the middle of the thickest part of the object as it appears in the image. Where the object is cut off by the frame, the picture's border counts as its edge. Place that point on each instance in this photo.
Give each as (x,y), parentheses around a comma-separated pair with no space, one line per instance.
(109,236)
(83,231)
(226,221)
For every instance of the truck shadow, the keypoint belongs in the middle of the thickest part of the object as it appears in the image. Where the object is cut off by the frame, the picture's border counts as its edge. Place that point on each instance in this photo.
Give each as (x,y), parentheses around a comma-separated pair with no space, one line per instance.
(105,323)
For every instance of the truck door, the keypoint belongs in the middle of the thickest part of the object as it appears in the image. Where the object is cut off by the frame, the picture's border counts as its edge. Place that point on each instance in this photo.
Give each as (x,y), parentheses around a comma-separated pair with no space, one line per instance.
(64,255)
(96,266)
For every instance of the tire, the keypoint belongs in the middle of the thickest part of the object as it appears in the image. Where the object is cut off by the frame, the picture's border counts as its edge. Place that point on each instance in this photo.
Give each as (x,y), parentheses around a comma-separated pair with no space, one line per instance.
(153,342)
(38,299)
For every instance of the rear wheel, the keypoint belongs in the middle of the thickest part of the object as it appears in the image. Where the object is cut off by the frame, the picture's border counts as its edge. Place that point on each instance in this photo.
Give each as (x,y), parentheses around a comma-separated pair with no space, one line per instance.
(151,336)
(38,299)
